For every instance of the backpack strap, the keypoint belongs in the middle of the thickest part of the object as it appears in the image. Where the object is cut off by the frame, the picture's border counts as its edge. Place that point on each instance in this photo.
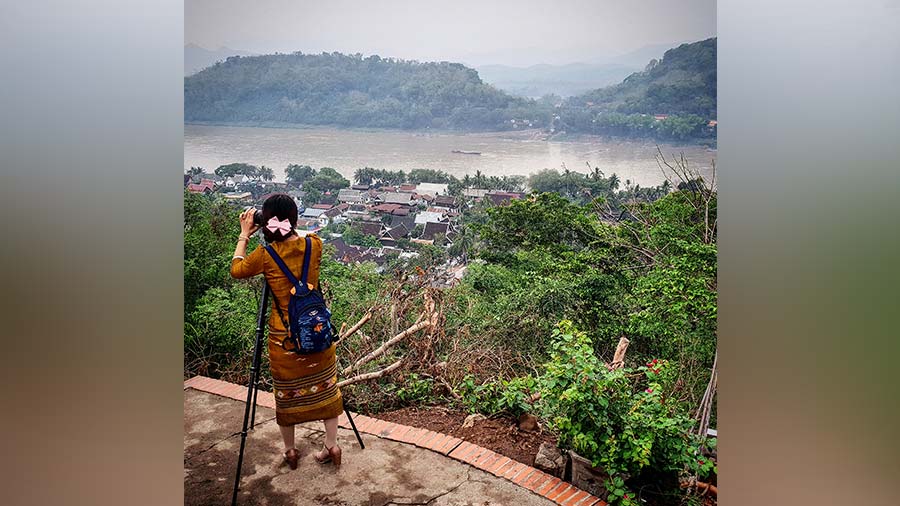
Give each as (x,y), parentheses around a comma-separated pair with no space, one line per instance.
(304,276)
(287,272)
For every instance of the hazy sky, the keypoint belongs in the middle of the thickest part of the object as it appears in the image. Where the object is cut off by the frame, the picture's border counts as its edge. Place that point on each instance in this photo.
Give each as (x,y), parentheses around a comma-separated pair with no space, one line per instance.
(475,32)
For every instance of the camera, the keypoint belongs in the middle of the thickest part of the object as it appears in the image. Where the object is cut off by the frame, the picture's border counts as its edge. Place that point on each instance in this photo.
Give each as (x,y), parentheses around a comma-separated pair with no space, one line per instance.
(257,216)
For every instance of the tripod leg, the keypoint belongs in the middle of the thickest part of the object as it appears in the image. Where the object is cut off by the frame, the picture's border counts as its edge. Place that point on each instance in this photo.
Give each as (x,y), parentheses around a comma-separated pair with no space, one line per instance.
(353,426)
(253,409)
(254,380)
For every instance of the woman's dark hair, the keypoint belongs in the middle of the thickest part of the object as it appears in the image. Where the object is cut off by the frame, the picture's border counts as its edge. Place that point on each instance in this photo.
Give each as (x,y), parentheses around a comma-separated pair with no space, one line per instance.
(283,207)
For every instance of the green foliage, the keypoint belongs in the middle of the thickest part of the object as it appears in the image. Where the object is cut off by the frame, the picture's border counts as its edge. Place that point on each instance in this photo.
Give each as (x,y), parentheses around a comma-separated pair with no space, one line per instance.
(349,90)
(233,169)
(326,180)
(298,174)
(502,397)
(210,230)
(223,324)
(354,236)
(415,390)
(621,419)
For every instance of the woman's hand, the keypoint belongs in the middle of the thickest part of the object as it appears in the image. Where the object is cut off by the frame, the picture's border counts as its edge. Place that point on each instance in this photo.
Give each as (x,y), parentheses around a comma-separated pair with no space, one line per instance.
(247,225)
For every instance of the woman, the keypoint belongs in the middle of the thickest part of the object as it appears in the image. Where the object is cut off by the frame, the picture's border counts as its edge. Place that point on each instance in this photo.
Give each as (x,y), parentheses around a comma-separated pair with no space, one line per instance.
(305,385)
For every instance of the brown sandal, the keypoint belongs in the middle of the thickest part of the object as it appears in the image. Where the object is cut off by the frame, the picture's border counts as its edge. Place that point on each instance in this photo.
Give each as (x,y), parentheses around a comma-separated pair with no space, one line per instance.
(333,455)
(292,457)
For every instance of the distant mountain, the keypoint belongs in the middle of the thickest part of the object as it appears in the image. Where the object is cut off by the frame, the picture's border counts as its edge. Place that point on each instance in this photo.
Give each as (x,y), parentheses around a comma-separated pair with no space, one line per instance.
(197,58)
(639,57)
(349,90)
(563,80)
(683,82)
(672,98)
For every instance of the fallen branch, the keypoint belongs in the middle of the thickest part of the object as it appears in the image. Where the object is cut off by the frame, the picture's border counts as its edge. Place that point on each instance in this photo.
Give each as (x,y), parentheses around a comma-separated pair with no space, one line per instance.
(708,487)
(356,327)
(370,375)
(387,344)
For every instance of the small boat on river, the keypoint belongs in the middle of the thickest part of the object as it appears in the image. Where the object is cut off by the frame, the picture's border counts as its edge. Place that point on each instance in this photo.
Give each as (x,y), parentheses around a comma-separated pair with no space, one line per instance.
(457,151)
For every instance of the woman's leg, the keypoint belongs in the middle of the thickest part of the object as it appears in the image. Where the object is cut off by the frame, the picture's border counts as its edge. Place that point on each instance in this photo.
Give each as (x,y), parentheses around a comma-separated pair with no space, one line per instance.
(331,427)
(287,434)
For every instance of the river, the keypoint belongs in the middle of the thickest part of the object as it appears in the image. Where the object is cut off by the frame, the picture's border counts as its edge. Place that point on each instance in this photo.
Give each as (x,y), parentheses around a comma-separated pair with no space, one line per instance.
(502,153)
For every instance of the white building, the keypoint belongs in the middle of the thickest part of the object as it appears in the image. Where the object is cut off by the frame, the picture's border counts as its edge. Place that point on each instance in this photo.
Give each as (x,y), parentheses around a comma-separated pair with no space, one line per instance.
(432,189)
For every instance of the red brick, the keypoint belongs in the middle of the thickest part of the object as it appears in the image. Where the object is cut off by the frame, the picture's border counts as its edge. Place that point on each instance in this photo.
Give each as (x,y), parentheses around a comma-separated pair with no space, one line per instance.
(490,462)
(563,497)
(477,454)
(536,481)
(524,475)
(449,445)
(399,431)
(391,427)
(548,486)
(504,467)
(581,494)
(363,423)
(462,450)
(558,491)
(513,470)
(437,441)
(411,436)
(482,458)
(496,467)
(426,436)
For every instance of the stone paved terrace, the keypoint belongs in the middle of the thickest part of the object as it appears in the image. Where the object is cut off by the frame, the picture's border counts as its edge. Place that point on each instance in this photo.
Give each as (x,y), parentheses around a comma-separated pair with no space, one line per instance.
(399,466)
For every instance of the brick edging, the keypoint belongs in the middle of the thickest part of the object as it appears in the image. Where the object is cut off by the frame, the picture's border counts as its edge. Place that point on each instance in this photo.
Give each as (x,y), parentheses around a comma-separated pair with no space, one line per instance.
(533,479)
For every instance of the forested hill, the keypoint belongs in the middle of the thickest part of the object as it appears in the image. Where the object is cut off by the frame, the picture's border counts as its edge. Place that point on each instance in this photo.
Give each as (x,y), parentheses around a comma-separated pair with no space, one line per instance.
(353,91)
(683,82)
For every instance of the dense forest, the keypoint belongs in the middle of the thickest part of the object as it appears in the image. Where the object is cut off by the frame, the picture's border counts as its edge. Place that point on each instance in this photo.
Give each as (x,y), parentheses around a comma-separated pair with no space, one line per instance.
(357,91)
(352,91)
(681,85)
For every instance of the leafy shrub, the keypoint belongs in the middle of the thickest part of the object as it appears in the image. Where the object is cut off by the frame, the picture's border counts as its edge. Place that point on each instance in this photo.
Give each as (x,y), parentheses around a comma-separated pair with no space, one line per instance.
(415,389)
(503,397)
(622,419)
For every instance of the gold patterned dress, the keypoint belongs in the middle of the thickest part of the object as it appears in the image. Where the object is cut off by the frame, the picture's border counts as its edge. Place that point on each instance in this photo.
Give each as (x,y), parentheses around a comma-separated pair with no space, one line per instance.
(305,385)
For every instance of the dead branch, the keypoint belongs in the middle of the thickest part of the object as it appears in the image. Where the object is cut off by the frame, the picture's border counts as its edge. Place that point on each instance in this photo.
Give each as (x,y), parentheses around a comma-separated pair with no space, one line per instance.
(421,324)
(706,487)
(370,375)
(356,327)
(705,408)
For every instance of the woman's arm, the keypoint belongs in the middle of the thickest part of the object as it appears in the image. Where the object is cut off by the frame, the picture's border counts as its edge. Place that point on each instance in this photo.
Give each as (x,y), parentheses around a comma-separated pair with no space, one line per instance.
(247,228)
(242,267)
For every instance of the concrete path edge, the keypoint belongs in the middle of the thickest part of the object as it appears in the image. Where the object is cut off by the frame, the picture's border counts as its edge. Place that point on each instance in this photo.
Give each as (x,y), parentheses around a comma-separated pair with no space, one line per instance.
(535,480)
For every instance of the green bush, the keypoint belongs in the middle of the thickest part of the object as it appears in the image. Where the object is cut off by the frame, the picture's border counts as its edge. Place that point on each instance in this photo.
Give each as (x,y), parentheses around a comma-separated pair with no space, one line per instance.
(622,420)
(502,397)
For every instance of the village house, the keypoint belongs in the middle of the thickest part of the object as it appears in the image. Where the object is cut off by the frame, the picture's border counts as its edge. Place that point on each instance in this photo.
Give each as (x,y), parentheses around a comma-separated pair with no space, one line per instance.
(407,188)
(500,198)
(426,217)
(390,237)
(312,212)
(351,196)
(396,198)
(204,186)
(474,193)
(432,189)
(234,196)
(445,202)
(432,229)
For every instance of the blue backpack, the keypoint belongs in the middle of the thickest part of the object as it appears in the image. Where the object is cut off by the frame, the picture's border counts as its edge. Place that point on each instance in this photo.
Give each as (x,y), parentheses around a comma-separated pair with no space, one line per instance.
(309,327)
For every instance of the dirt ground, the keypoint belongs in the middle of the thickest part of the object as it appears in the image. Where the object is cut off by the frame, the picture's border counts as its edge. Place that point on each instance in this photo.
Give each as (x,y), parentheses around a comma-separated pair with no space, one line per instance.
(500,435)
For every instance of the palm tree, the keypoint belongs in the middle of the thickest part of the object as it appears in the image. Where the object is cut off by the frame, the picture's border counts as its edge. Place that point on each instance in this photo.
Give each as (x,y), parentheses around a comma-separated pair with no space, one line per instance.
(266,173)
(614,181)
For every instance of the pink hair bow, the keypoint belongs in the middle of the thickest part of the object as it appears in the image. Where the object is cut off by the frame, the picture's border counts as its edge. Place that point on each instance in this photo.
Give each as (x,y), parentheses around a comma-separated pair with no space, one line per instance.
(275,225)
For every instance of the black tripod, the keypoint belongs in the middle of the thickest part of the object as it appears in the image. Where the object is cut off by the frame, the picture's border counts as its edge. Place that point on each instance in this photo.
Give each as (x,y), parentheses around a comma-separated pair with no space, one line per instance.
(253,391)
